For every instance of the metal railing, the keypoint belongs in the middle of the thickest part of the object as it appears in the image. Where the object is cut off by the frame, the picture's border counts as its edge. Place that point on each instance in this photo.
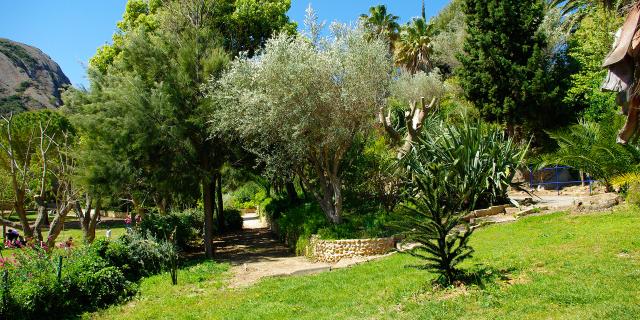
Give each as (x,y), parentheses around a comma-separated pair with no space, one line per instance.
(556,178)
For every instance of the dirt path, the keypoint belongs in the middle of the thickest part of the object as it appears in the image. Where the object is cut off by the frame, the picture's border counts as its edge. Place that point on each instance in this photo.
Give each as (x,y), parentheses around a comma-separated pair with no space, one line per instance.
(254,254)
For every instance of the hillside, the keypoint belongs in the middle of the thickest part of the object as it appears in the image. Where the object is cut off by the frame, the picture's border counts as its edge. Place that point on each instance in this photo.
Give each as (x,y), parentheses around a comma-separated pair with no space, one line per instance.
(29,79)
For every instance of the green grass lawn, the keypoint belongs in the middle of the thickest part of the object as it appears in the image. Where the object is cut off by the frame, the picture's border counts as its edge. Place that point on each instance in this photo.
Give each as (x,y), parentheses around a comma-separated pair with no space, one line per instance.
(557,266)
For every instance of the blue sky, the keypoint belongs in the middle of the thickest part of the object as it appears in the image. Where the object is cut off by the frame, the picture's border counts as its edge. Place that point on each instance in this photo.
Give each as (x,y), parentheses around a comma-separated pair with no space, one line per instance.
(70,31)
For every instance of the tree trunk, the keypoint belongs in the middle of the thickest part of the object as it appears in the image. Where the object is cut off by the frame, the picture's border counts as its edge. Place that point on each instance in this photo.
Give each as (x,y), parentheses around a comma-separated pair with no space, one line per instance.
(292,195)
(268,190)
(137,208)
(219,202)
(208,216)
(57,225)
(162,205)
(82,216)
(304,190)
(88,220)
(22,214)
(40,219)
(331,198)
(93,222)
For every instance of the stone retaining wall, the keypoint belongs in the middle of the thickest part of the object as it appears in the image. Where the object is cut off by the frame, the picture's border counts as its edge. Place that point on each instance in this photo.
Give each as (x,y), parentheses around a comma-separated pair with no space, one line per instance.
(491,211)
(334,250)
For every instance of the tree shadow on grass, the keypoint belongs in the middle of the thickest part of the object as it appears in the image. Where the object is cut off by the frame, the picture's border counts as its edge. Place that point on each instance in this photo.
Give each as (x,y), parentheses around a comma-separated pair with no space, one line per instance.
(479,275)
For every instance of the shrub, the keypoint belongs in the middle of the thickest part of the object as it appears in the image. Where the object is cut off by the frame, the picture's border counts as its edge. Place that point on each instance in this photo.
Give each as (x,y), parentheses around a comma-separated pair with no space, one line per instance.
(633,194)
(629,183)
(91,282)
(300,221)
(294,224)
(138,256)
(87,283)
(249,195)
(232,219)
(186,224)
(433,218)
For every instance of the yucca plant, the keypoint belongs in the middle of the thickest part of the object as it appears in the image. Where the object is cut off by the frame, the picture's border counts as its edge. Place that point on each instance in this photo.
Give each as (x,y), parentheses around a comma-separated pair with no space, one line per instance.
(482,155)
(450,171)
(434,219)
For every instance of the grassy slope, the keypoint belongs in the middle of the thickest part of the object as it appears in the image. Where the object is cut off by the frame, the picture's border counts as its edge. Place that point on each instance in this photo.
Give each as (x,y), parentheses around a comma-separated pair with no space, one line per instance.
(554,266)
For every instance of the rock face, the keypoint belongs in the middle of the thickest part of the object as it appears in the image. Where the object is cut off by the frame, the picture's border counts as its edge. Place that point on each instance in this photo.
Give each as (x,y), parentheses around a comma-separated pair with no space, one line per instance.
(29,79)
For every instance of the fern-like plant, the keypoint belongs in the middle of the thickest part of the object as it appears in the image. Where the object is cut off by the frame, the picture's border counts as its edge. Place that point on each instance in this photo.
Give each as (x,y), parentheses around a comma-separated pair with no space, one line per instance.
(591,147)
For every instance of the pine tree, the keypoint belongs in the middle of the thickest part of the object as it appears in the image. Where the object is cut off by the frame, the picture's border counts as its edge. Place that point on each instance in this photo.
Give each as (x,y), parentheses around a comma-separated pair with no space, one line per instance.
(505,71)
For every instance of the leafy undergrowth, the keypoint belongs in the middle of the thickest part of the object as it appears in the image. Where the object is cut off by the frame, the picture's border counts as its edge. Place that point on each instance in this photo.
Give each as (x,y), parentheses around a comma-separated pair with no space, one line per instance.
(558,266)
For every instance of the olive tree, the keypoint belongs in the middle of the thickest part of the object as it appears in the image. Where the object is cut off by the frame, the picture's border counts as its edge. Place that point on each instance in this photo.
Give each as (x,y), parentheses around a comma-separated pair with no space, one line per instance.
(299,104)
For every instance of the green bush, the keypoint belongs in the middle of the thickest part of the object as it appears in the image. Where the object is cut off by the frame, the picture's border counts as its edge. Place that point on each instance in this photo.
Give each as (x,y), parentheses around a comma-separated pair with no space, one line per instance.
(187,225)
(136,255)
(249,195)
(33,291)
(232,219)
(633,194)
(294,224)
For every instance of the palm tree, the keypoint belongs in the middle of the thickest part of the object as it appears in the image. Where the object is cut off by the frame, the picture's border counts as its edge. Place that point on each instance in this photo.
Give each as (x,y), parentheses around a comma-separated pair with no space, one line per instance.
(382,24)
(573,11)
(414,49)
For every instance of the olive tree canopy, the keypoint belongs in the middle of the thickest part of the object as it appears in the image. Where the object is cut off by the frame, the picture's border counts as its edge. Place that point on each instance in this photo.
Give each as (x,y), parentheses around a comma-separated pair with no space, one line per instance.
(299,104)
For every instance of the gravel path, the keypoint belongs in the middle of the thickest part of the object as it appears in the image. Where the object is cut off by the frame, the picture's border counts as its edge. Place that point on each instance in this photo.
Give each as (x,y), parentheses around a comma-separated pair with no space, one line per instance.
(254,254)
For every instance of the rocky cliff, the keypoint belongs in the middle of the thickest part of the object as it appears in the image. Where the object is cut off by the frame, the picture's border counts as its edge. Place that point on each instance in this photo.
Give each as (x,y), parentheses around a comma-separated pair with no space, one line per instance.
(29,79)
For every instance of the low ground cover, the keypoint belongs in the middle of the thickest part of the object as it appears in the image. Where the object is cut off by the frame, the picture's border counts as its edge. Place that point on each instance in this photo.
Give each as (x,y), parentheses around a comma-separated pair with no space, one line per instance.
(554,266)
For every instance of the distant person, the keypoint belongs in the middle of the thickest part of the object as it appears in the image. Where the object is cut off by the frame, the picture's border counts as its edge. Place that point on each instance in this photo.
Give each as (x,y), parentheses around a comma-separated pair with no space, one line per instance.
(108,234)
(14,238)
(12,235)
(69,242)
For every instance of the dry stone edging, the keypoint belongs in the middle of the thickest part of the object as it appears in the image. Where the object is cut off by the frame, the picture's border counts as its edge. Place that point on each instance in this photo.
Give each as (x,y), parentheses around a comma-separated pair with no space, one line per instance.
(332,251)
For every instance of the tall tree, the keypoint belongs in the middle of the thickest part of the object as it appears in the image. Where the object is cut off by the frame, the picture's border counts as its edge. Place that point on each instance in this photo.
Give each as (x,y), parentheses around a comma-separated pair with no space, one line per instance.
(588,46)
(382,24)
(414,49)
(301,103)
(150,97)
(37,155)
(505,71)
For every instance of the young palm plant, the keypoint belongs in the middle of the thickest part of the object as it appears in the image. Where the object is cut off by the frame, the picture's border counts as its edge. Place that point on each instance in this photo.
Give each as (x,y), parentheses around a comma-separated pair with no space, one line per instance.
(591,147)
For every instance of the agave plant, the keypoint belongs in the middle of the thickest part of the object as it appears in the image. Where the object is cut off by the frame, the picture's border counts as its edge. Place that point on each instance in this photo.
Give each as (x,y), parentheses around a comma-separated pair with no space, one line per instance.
(482,155)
